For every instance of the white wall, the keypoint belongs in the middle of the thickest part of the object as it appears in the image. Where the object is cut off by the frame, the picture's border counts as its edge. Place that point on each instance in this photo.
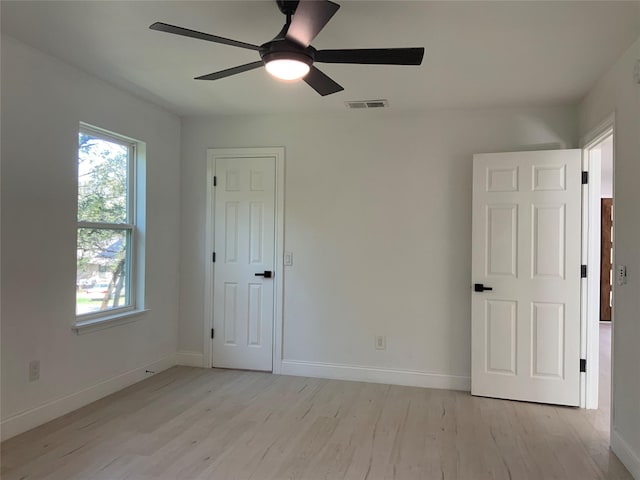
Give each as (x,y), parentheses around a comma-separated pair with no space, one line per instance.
(378,217)
(42,102)
(606,163)
(617,92)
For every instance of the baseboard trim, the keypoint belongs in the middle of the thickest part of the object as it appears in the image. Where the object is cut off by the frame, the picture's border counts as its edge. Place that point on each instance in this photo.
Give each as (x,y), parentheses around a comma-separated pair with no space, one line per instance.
(375,375)
(190,359)
(34,417)
(625,453)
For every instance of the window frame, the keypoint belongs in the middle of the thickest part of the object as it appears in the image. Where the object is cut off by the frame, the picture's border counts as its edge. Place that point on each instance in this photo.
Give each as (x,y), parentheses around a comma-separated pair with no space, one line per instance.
(133,306)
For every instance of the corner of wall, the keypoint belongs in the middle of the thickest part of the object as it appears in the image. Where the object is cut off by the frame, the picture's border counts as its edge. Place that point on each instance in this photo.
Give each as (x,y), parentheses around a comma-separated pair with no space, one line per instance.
(625,453)
(34,417)
(190,359)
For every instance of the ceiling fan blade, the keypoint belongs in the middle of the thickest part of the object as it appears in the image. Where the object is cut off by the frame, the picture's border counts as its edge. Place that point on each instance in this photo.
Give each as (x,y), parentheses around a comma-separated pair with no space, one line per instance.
(321,83)
(310,17)
(185,32)
(372,56)
(231,71)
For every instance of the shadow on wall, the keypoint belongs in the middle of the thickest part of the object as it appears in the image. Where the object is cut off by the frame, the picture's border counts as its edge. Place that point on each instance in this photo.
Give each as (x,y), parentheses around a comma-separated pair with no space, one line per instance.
(542,146)
(533,127)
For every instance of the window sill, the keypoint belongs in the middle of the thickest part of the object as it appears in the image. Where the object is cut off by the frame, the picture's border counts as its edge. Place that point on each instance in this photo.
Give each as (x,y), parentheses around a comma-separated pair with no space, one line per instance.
(96,324)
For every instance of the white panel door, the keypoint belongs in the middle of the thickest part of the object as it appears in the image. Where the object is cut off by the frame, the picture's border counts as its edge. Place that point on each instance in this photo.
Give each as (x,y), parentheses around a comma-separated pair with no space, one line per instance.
(244,242)
(526,248)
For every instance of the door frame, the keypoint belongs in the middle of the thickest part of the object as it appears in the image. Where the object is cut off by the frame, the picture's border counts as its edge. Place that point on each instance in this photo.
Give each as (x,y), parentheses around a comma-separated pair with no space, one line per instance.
(278,278)
(591,257)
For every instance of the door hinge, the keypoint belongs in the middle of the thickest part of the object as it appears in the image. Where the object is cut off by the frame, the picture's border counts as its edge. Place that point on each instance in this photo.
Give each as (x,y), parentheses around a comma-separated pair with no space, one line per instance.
(583,364)
(213,333)
(213,257)
(215,181)
(583,271)
(585,178)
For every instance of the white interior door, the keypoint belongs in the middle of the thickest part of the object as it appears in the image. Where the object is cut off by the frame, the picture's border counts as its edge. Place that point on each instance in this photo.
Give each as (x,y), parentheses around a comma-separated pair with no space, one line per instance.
(244,241)
(526,248)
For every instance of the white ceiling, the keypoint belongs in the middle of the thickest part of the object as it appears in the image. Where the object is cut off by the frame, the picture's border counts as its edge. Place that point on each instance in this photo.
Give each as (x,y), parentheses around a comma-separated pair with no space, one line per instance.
(478,54)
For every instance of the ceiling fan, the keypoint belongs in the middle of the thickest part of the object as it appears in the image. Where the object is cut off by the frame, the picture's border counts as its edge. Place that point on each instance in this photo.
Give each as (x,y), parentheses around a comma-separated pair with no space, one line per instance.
(289,56)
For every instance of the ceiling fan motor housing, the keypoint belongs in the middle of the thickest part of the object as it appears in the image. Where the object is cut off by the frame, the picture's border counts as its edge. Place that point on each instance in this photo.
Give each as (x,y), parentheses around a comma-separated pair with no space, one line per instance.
(282,49)
(287,7)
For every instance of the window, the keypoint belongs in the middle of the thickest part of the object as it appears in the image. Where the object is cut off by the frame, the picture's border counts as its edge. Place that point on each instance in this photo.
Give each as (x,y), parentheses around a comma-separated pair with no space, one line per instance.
(106,231)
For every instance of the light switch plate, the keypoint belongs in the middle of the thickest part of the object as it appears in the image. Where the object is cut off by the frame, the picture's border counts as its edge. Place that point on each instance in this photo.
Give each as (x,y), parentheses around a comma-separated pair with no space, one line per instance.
(288,259)
(621,274)
(34,370)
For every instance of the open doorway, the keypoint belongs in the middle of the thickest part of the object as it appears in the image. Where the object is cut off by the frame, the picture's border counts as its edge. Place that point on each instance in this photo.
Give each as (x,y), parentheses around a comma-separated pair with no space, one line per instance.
(606,270)
(600,205)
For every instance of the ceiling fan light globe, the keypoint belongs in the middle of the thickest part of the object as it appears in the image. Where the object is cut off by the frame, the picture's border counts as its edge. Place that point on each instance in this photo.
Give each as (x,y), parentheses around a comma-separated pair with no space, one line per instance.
(287,69)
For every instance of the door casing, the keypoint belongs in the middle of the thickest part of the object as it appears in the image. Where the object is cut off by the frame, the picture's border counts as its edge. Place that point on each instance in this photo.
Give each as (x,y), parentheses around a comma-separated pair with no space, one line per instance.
(278,279)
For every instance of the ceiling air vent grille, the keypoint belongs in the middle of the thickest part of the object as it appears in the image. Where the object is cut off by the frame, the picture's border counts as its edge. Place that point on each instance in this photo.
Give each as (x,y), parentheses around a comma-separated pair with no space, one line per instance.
(361,104)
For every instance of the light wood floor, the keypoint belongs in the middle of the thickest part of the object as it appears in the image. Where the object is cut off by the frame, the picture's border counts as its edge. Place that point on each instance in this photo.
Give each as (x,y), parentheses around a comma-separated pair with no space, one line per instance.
(604,387)
(188,423)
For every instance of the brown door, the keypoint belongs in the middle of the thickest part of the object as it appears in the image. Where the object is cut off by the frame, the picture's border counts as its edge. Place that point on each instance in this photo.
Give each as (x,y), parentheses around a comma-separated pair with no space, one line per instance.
(605,259)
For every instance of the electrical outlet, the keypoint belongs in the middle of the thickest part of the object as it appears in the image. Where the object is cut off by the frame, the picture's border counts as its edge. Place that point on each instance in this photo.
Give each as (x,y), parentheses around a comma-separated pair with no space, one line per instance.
(34,370)
(288,259)
(381,342)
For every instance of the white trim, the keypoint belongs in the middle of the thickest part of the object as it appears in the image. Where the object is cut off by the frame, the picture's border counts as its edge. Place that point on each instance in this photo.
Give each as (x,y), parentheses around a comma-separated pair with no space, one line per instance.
(584,298)
(279,284)
(33,417)
(591,317)
(625,453)
(599,132)
(190,359)
(278,154)
(207,352)
(106,134)
(375,375)
(102,322)
(107,226)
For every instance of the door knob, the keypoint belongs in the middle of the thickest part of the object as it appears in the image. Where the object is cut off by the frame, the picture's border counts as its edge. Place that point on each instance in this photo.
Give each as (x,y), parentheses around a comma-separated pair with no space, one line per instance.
(265,274)
(479,287)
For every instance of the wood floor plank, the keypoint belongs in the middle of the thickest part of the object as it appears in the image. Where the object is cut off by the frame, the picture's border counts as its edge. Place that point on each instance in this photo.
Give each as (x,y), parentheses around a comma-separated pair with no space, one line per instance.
(195,424)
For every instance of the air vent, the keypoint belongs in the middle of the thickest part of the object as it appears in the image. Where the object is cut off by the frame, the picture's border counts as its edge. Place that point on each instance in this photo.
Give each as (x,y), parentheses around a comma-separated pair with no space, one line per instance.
(367,104)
